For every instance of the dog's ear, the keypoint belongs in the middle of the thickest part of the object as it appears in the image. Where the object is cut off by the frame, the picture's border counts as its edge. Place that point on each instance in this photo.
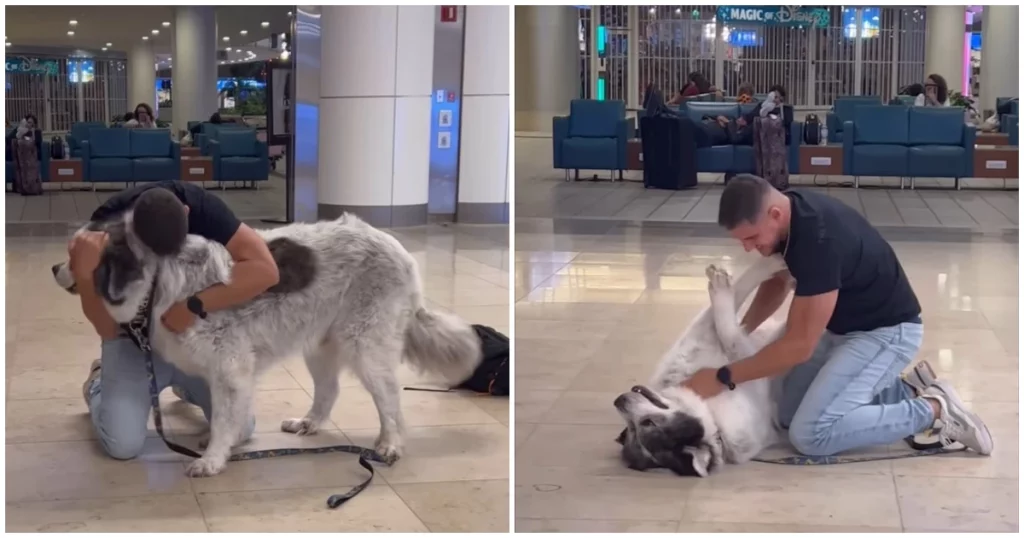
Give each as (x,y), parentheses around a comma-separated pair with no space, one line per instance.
(679,462)
(701,458)
(621,439)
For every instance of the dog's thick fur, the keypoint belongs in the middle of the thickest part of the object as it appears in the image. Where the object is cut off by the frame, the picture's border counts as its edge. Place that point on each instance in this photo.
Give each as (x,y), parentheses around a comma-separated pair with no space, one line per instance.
(348,296)
(670,426)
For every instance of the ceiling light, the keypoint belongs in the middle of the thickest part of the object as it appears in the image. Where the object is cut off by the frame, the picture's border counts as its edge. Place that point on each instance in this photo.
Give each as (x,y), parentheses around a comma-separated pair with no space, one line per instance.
(265,24)
(284,55)
(73,22)
(71,32)
(226,38)
(104,49)
(145,38)
(289,13)
(110,44)
(7,44)
(222,62)
(244,32)
(250,52)
(165,24)
(155,32)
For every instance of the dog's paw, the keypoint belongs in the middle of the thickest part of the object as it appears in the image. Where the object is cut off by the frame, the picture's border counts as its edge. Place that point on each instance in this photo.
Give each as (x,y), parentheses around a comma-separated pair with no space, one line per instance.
(205,467)
(718,278)
(388,452)
(300,426)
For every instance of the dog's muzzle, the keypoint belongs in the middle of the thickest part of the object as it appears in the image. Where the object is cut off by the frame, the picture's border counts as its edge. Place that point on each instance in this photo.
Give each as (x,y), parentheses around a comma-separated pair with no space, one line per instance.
(651,397)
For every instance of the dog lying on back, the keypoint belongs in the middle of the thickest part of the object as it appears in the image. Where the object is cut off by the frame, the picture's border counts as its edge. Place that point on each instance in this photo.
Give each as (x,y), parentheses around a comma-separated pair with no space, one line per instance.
(670,426)
(349,296)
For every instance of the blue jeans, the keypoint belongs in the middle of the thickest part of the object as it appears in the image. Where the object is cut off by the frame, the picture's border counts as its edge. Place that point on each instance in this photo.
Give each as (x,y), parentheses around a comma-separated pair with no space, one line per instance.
(849,394)
(119,400)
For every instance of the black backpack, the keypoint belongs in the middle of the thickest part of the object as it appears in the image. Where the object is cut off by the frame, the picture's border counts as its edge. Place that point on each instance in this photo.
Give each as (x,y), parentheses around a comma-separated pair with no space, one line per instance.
(812,130)
(492,376)
(56,148)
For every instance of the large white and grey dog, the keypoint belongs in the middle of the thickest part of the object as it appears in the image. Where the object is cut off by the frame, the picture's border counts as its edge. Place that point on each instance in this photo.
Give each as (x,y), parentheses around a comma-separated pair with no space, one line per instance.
(668,426)
(349,296)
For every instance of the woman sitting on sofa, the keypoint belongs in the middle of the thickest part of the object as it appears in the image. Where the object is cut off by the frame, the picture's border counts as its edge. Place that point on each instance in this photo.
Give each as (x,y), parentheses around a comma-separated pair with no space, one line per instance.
(936,92)
(143,118)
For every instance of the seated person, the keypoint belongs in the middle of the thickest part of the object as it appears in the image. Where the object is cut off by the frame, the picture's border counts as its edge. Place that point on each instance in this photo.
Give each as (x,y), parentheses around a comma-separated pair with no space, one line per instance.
(772,105)
(745,95)
(214,119)
(720,131)
(696,84)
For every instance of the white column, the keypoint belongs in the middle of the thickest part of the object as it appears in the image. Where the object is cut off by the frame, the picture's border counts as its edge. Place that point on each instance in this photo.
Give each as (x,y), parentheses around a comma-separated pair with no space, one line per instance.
(141,76)
(944,44)
(194,75)
(547,64)
(1000,52)
(485,140)
(375,90)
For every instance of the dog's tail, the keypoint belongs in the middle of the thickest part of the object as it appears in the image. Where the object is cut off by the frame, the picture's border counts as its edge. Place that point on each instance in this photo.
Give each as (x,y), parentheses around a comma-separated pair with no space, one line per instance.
(442,343)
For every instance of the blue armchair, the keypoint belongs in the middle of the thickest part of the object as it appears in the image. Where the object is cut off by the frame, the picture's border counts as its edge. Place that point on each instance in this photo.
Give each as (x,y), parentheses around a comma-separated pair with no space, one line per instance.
(80,133)
(939,143)
(211,131)
(843,111)
(1012,129)
(875,141)
(239,156)
(592,137)
(155,157)
(107,156)
(1008,122)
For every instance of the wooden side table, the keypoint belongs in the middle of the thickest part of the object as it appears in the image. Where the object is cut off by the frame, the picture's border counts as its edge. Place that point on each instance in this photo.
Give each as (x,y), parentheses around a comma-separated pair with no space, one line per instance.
(997,162)
(634,155)
(992,139)
(821,160)
(191,151)
(66,171)
(196,168)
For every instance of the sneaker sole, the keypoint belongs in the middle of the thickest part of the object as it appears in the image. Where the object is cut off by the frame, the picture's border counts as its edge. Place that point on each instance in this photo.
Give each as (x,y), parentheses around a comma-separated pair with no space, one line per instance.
(974,419)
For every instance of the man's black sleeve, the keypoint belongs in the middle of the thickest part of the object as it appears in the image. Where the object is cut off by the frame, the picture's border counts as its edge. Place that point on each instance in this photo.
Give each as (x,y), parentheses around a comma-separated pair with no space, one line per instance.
(214,220)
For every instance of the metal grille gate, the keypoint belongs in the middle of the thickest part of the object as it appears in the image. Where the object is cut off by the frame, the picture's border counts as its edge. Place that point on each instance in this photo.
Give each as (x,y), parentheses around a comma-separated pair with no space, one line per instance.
(81,90)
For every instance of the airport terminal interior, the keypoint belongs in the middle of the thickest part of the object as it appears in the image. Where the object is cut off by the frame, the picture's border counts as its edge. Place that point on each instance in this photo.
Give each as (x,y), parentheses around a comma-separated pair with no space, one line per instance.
(77,71)
(608,274)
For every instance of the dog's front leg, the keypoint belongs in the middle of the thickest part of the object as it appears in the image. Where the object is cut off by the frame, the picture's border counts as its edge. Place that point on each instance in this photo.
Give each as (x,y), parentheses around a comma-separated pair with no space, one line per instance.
(231,398)
(737,343)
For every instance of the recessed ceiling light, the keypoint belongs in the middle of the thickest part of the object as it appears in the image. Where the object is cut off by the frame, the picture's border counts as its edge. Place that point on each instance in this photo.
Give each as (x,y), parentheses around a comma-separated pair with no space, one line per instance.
(222,62)
(7,44)
(155,32)
(289,13)
(244,32)
(264,24)
(249,51)
(165,24)
(145,38)
(283,36)
(110,44)
(71,32)
(226,38)
(104,49)
(72,22)
(170,58)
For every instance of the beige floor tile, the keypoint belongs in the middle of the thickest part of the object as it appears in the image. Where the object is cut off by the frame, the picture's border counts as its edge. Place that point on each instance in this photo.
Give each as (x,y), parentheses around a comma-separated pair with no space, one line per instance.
(377,508)
(694,527)
(34,421)
(532,405)
(496,406)
(592,525)
(355,409)
(446,453)
(585,408)
(523,432)
(137,514)
(958,504)
(472,506)
(46,383)
(587,449)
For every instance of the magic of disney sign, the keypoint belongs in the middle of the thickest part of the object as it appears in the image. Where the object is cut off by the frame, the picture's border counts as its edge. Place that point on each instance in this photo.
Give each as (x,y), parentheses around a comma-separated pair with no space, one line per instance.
(21,64)
(775,15)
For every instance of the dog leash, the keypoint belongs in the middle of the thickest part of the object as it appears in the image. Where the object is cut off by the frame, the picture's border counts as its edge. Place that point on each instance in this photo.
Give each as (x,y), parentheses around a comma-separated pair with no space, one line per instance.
(920,450)
(137,333)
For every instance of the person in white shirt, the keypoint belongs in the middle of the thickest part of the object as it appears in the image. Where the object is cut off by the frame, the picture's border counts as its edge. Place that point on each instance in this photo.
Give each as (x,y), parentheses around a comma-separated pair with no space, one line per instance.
(143,118)
(773,103)
(936,92)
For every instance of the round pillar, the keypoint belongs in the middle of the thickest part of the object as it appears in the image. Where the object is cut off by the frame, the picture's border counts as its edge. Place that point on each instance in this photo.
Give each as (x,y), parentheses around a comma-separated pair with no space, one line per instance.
(1000,52)
(141,77)
(484,146)
(375,113)
(547,64)
(945,27)
(194,75)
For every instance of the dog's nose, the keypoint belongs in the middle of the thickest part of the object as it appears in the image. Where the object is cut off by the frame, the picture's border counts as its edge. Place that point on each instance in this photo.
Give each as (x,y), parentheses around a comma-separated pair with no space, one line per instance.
(620,402)
(55,269)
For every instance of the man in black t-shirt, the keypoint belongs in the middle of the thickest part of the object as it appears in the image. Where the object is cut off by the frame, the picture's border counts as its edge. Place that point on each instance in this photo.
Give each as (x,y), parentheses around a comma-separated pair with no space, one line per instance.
(117,390)
(853,326)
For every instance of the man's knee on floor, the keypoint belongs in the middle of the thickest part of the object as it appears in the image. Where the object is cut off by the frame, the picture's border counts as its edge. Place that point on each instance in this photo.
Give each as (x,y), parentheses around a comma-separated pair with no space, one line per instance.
(123,447)
(811,439)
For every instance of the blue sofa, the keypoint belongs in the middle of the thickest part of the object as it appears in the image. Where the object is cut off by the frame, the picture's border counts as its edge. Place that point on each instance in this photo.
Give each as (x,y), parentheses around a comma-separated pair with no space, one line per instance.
(592,137)
(910,142)
(239,156)
(842,111)
(80,133)
(211,131)
(113,155)
(1008,122)
(735,159)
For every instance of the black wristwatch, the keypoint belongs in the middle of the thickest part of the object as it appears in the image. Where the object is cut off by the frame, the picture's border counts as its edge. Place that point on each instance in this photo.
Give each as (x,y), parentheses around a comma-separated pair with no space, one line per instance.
(195,305)
(724,375)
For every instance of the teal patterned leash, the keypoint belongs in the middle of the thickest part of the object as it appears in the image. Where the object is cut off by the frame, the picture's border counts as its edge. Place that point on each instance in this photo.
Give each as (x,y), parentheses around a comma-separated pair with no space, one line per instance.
(137,332)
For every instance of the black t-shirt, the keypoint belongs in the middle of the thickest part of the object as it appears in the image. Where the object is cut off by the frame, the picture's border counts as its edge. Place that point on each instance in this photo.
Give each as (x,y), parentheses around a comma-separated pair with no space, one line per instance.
(208,216)
(831,247)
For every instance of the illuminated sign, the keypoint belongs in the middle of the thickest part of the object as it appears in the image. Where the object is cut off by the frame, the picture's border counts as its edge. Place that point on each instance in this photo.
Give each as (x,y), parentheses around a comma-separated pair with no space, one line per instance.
(35,66)
(775,15)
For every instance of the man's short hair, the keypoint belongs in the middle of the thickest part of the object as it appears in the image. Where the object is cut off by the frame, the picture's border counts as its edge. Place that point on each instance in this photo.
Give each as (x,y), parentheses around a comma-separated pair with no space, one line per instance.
(742,200)
(160,222)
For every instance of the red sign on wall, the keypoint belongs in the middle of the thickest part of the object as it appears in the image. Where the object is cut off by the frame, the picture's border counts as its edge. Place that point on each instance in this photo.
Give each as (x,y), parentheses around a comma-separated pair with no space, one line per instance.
(449,13)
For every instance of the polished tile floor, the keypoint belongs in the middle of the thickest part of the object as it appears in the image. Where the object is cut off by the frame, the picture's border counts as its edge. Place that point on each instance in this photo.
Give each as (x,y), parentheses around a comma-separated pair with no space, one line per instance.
(599,301)
(453,478)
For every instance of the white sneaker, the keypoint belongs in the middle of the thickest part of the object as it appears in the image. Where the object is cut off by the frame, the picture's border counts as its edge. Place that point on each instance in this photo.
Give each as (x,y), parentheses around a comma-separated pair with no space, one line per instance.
(89,386)
(920,377)
(957,424)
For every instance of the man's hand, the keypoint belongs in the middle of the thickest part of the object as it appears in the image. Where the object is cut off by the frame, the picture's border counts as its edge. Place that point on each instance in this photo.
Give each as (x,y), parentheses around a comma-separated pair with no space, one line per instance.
(84,251)
(178,318)
(705,383)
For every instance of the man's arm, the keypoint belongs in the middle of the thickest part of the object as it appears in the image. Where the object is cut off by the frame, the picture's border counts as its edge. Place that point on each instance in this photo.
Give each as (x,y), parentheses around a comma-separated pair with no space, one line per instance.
(808,317)
(95,312)
(767,300)
(253,273)
(84,255)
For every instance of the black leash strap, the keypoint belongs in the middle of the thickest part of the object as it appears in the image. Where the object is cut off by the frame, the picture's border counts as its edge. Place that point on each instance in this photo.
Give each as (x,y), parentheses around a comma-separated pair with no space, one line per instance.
(137,333)
(919,450)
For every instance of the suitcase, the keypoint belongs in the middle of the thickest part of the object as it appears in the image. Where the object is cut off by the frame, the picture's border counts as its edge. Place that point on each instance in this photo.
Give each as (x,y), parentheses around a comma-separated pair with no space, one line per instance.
(770,151)
(670,152)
